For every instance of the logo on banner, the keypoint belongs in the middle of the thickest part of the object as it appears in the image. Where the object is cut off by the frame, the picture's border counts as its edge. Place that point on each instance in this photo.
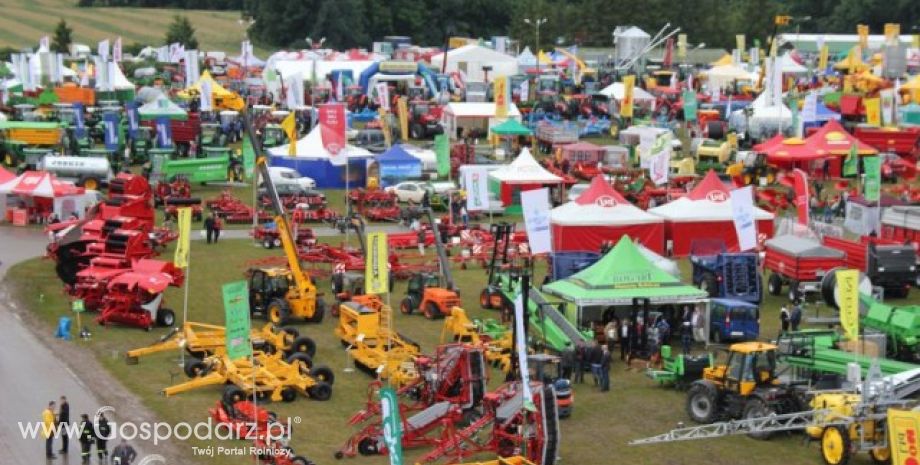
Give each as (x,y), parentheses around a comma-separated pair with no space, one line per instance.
(716,196)
(605,201)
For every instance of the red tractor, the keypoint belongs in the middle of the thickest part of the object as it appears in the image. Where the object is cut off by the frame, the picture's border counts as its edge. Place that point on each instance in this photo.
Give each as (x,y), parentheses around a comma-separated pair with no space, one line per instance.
(424,120)
(375,205)
(135,298)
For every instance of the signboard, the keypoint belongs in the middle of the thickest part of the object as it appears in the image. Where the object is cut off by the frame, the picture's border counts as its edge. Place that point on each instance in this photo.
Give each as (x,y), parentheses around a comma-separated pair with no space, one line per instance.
(800,181)
(536,207)
(442,152)
(873,111)
(660,159)
(392,424)
(888,102)
(183,245)
(133,119)
(164,132)
(397,67)
(475,183)
(376,270)
(249,156)
(848,300)
(690,105)
(236,314)
(743,217)
(77,306)
(500,91)
(903,429)
(332,129)
(810,108)
(383,95)
(626,105)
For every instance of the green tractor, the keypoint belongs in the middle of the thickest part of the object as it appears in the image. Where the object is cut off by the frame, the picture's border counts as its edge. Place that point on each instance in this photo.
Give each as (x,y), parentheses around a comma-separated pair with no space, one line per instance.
(272,136)
(212,136)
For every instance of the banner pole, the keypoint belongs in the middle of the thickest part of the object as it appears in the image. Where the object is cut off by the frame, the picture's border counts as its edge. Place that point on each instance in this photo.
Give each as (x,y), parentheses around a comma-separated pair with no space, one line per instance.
(188,276)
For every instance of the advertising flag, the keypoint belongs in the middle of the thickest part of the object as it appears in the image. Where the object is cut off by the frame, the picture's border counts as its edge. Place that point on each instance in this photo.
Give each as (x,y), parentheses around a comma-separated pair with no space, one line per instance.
(116,50)
(332,129)
(800,184)
(442,152)
(191,67)
(521,345)
(500,91)
(110,123)
(822,59)
(888,99)
(873,184)
(682,46)
(660,160)
(392,425)
(376,269)
(133,118)
(402,110)
(810,108)
(476,185)
(873,111)
(79,123)
(536,207)
(383,95)
(289,126)
(164,132)
(743,217)
(103,50)
(626,105)
(851,163)
(848,300)
(236,318)
(862,31)
(205,96)
(249,155)
(739,42)
(183,244)
(44,43)
(690,105)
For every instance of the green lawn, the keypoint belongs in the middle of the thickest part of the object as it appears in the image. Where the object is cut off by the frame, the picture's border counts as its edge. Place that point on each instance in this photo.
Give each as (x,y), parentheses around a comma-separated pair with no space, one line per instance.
(634,408)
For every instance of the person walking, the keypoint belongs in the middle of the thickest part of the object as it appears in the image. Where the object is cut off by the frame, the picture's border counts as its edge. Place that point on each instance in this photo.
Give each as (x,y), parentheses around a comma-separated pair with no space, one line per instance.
(795,317)
(48,430)
(123,454)
(605,370)
(218,226)
(209,226)
(580,362)
(611,333)
(87,437)
(686,331)
(103,431)
(421,240)
(625,339)
(597,356)
(567,362)
(783,320)
(699,324)
(63,419)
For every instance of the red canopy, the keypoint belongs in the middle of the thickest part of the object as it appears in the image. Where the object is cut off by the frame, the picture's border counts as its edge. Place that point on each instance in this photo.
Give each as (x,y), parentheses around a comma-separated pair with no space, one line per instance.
(710,188)
(5,175)
(39,184)
(829,140)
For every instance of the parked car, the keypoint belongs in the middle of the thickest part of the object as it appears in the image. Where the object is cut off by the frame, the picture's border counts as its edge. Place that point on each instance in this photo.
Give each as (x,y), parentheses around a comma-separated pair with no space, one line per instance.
(371,139)
(576,190)
(734,320)
(408,191)
(281,175)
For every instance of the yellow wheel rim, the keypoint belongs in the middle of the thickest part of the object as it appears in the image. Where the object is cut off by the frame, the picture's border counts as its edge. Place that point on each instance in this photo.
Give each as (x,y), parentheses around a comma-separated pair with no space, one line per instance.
(882,454)
(832,446)
(90,184)
(275,315)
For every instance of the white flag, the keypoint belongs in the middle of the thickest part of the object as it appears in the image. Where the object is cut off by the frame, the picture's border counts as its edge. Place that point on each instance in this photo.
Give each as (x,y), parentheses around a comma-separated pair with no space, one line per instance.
(44,44)
(103,50)
(743,215)
(205,96)
(383,95)
(810,108)
(755,56)
(116,50)
(340,88)
(31,63)
(535,204)
(777,83)
(191,67)
(521,343)
(57,68)
(476,185)
(294,97)
(163,54)
(674,81)
(525,91)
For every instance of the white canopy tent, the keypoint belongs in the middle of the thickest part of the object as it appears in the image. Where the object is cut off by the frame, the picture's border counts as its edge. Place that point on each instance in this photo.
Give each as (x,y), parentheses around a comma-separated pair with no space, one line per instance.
(476,115)
(788,65)
(311,146)
(617,91)
(765,121)
(725,75)
(524,170)
(470,59)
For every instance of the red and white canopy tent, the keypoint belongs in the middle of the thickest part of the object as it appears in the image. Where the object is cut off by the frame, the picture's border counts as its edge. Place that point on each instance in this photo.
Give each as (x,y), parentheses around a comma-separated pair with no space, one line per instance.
(831,143)
(522,174)
(41,193)
(601,214)
(706,213)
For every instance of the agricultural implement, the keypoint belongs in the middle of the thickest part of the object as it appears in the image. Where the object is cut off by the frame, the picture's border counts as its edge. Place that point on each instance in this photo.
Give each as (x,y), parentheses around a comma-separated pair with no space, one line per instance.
(813,355)
(233,210)
(679,370)
(135,297)
(374,346)
(267,234)
(886,263)
(800,263)
(491,335)
(723,274)
(375,205)
(434,294)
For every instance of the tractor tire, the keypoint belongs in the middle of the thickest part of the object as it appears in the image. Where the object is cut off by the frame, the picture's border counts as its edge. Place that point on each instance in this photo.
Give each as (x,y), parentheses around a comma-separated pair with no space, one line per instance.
(70,260)
(775,284)
(276,242)
(416,131)
(288,394)
(319,312)
(485,299)
(880,456)
(268,244)
(278,312)
(306,363)
(324,374)
(195,367)
(321,391)
(757,408)
(432,311)
(709,284)
(835,445)
(714,130)
(233,394)
(298,460)
(291,332)
(406,307)
(166,317)
(702,403)
(304,345)
(367,446)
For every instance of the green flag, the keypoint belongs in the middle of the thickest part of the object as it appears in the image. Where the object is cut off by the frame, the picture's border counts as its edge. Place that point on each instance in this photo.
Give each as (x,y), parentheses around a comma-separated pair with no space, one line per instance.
(690,105)
(249,157)
(872,188)
(851,162)
(392,424)
(236,310)
(442,150)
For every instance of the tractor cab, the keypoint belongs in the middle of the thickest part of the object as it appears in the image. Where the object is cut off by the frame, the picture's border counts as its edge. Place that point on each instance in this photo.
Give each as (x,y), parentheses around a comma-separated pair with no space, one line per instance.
(749,365)
(424,292)
(211,135)
(267,287)
(272,135)
(547,369)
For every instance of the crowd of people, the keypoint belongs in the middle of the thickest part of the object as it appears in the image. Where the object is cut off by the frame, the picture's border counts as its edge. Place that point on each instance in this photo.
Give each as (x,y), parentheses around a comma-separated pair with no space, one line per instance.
(56,424)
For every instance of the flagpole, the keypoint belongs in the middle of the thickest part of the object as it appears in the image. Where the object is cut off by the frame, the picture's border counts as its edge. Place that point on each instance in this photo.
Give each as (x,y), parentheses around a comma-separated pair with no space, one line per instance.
(188,276)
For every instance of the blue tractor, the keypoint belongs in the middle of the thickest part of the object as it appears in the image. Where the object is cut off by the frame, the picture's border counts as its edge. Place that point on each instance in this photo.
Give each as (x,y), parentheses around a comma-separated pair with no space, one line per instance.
(723,274)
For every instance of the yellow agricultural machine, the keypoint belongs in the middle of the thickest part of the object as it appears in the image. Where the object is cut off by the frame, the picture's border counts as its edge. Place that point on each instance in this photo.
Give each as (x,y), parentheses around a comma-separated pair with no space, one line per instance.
(459,328)
(373,345)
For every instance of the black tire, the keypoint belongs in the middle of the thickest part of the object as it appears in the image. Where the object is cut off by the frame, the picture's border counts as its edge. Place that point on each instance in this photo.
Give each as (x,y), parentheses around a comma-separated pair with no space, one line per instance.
(757,408)
(166,317)
(320,391)
(306,363)
(278,312)
(880,456)
(292,332)
(298,460)
(709,284)
(319,312)
(416,131)
(702,404)
(775,284)
(835,432)
(305,345)
(288,394)
(324,374)
(367,446)
(195,367)
(406,307)
(485,299)
(233,394)
(267,243)
(432,311)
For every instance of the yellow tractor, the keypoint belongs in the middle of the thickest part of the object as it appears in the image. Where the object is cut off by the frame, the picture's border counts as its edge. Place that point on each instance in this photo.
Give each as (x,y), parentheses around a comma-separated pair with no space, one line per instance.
(459,328)
(744,387)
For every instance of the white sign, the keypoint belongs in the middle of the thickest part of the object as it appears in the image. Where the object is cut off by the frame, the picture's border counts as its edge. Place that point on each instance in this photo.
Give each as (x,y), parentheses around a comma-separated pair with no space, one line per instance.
(383,95)
(525,91)
(810,108)
(535,204)
(476,185)
(205,96)
(743,216)
(116,50)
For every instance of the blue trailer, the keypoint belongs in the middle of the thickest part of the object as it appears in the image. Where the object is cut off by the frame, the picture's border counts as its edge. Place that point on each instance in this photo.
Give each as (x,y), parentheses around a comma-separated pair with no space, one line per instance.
(723,274)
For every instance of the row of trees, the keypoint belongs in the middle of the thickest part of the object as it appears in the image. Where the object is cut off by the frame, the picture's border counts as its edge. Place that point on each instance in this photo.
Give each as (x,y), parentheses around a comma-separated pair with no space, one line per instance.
(179,31)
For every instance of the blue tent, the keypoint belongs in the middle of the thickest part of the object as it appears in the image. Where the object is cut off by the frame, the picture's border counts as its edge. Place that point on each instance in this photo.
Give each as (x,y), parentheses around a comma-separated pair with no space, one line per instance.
(396,164)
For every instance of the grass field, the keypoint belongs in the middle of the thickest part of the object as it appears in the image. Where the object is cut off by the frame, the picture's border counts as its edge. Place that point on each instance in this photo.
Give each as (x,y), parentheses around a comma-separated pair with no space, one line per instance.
(23,22)
(596,434)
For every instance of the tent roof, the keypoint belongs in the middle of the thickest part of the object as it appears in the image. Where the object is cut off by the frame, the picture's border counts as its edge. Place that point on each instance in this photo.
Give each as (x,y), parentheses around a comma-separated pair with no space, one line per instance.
(618,91)
(621,275)
(830,139)
(788,64)
(600,205)
(710,200)
(723,61)
(473,52)
(6,175)
(583,147)
(39,184)
(729,71)
(527,58)
(478,109)
(160,107)
(217,90)
(310,146)
(802,247)
(511,127)
(396,154)
(851,60)
(524,170)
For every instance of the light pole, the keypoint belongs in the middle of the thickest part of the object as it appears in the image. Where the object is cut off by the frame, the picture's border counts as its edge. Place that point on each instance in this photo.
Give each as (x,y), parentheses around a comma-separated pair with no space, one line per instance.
(536,24)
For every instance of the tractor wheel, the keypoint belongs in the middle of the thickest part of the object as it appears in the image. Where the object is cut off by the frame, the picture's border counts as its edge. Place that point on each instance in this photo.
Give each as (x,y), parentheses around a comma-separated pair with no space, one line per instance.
(701,403)
(794,291)
(406,307)
(267,243)
(757,408)
(195,367)
(835,445)
(324,374)
(304,360)
(709,284)
(775,284)
(304,345)
(90,183)
(320,391)
(233,394)
(278,312)
(277,242)
(432,311)
(485,299)
(367,446)
(416,131)
(288,394)
(880,456)
(319,311)
(166,317)
(290,332)
(298,460)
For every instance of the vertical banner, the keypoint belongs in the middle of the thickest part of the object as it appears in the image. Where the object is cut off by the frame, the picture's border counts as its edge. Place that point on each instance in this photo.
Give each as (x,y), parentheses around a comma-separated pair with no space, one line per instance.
(777,82)
(79,123)
(340,88)
(44,43)
(862,31)
(740,43)
(376,265)
(500,91)
(289,126)
(110,123)
(668,59)
(116,50)
(521,345)
(851,162)
(236,318)
(442,152)
(332,129)
(690,105)
(754,56)
(183,244)
(800,181)
(888,104)
(848,300)
(249,155)
(536,207)
(743,217)
(476,185)
(682,46)
(822,59)
(903,430)
(402,110)
(873,111)
(384,117)
(205,96)
(810,108)
(873,183)
(626,105)
(191,67)
(392,425)
(660,161)
(294,98)
(103,50)
(383,95)
(164,132)
(133,119)
(525,91)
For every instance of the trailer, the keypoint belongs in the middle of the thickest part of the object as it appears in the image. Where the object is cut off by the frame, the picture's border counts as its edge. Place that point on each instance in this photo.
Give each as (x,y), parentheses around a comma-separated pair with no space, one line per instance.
(904,140)
(799,263)
(723,274)
(886,263)
(551,135)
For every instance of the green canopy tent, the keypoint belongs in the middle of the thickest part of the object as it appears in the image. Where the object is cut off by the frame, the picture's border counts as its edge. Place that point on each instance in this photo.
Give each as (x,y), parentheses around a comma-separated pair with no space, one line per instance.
(511,127)
(620,276)
(161,107)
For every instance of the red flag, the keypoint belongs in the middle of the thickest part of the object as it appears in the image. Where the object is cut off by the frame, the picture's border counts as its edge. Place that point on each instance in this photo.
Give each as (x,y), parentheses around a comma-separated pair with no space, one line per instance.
(332,129)
(801,194)
(668,53)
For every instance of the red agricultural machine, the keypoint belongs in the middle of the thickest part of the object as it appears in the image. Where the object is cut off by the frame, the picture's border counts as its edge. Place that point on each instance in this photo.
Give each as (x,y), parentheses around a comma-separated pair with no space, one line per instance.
(135,297)
(375,205)
(267,234)
(269,436)
(233,210)
(800,263)
(424,119)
